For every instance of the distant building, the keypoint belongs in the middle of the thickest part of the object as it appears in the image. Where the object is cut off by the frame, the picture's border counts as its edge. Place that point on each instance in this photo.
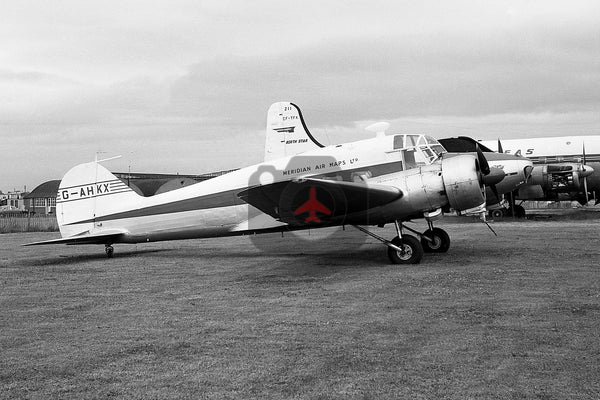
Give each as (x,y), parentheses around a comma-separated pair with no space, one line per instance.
(12,201)
(42,199)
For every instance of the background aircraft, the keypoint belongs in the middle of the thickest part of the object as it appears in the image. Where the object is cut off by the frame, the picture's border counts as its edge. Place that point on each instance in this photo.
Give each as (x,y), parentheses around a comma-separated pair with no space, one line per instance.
(387,179)
(565,168)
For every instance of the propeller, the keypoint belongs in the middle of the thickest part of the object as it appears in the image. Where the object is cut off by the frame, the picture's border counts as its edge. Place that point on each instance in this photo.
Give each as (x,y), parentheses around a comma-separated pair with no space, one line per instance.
(483,163)
(490,176)
(494,177)
(585,185)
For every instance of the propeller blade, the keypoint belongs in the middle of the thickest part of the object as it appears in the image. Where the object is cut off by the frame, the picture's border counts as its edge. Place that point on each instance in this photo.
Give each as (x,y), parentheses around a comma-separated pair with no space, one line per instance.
(585,185)
(483,163)
(494,177)
(490,180)
(495,191)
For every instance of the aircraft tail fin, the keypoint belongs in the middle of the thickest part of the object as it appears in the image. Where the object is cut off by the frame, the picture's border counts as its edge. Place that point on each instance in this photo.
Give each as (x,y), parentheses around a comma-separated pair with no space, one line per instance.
(86,192)
(287,134)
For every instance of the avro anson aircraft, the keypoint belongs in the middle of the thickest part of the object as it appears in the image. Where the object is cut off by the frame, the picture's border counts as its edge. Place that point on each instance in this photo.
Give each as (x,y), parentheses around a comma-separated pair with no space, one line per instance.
(301,184)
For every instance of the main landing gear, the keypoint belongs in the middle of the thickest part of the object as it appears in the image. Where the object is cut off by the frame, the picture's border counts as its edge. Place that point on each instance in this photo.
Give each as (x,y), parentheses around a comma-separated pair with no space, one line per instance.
(109,250)
(513,210)
(516,211)
(407,249)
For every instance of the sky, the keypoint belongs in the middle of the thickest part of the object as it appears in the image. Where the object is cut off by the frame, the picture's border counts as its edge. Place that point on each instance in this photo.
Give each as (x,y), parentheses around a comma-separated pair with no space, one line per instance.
(184,86)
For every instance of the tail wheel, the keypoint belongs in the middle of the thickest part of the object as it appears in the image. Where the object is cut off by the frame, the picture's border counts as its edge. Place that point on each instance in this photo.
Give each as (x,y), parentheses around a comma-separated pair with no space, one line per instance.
(440,241)
(109,251)
(411,253)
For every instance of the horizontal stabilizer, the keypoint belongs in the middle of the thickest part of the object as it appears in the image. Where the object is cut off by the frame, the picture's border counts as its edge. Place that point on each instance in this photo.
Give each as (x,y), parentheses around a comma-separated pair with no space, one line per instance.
(311,200)
(108,236)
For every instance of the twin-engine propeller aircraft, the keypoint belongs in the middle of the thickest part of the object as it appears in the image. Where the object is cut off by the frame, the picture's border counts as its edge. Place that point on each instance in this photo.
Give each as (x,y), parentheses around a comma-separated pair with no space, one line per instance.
(301,184)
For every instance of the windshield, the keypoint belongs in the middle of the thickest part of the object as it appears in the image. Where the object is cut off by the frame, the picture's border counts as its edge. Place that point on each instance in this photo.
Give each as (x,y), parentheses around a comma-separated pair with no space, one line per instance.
(426,149)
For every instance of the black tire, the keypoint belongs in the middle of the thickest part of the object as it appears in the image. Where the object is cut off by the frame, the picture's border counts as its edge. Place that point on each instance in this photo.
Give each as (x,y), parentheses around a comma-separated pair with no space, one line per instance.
(109,251)
(497,214)
(518,211)
(441,241)
(413,251)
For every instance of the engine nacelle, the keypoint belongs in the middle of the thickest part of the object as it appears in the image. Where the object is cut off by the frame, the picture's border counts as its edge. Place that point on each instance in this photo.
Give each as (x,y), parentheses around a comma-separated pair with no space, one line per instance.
(461,177)
(564,177)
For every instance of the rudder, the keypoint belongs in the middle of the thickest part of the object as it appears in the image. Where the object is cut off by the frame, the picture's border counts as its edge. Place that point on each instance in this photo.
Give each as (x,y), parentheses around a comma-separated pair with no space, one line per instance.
(88,191)
(287,134)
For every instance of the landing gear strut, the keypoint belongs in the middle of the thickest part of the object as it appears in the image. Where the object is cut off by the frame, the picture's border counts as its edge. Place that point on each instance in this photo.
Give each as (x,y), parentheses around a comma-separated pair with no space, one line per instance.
(518,211)
(407,249)
(433,240)
(411,250)
(109,250)
(514,209)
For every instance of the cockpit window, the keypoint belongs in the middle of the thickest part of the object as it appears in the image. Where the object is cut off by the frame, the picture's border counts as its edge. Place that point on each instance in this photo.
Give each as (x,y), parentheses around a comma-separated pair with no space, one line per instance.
(412,140)
(398,142)
(429,153)
(425,148)
(438,149)
(431,140)
(435,146)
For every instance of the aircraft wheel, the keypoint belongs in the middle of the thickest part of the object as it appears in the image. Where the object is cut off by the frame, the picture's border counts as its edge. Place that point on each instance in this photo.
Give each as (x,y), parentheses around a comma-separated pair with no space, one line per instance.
(441,241)
(497,214)
(412,250)
(109,251)
(518,211)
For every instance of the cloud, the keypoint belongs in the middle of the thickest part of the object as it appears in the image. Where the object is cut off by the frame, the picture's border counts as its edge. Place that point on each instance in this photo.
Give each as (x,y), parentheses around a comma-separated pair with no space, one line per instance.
(387,78)
(180,79)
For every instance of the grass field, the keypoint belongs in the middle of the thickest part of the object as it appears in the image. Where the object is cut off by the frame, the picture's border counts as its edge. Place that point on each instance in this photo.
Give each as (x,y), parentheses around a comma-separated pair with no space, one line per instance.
(514,316)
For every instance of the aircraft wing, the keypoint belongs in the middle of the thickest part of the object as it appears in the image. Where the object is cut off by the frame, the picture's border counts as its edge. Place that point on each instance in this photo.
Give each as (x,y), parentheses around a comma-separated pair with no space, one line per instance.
(282,200)
(107,236)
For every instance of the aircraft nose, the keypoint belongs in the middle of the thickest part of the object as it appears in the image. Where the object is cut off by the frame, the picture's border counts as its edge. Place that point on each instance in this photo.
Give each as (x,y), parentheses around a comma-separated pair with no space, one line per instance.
(585,171)
(526,169)
(527,172)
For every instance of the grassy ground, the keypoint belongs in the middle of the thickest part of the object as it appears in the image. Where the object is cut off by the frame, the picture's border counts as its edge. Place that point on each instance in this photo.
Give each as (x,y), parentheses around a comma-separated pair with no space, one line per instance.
(514,316)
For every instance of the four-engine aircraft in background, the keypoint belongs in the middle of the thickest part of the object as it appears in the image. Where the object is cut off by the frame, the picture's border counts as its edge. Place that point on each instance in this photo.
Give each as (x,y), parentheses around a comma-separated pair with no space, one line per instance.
(565,168)
(372,182)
